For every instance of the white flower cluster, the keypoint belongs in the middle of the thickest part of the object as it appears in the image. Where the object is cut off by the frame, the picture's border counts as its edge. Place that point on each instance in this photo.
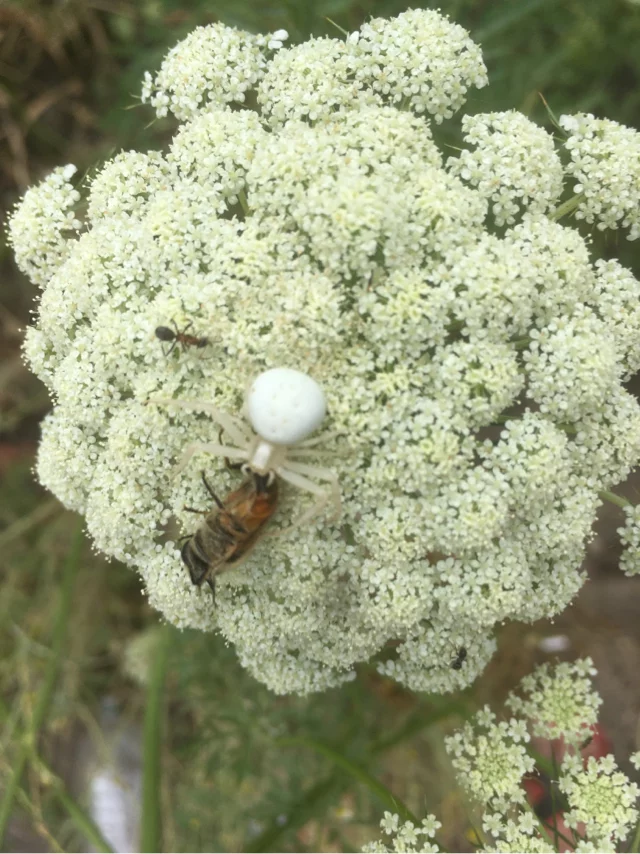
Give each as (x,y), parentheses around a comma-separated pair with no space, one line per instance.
(605,162)
(559,703)
(41,224)
(474,380)
(514,164)
(616,301)
(406,836)
(630,537)
(601,799)
(213,66)
(490,759)
(418,60)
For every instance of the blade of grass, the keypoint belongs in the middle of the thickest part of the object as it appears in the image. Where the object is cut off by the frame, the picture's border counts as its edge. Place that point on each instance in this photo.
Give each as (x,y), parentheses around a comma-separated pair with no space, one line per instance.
(299,813)
(82,821)
(502,21)
(151,821)
(357,772)
(330,789)
(45,694)
(635,843)
(551,114)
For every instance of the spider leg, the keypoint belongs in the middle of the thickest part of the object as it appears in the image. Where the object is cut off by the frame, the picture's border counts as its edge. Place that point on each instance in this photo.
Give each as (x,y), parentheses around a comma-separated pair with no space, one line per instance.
(296,451)
(229,424)
(302,482)
(208,448)
(227,461)
(323,437)
(322,474)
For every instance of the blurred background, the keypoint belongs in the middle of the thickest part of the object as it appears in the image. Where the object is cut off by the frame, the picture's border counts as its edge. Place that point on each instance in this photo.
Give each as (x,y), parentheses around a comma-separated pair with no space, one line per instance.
(105,714)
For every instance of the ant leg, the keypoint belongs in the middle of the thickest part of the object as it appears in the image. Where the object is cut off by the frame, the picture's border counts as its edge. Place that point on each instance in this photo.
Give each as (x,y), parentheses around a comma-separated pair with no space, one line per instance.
(180,335)
(229,424)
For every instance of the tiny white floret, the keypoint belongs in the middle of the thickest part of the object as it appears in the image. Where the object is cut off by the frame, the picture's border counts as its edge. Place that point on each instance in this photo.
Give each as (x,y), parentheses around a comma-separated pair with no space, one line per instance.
(285,406)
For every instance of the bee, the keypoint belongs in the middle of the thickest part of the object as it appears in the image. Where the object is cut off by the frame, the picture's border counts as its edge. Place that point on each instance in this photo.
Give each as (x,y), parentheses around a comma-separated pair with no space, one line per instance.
(229,531)
(460,659)
(164,333)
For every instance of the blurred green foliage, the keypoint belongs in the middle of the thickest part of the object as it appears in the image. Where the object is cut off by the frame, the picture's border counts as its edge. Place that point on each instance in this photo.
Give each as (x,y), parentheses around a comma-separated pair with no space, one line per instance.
(70,76)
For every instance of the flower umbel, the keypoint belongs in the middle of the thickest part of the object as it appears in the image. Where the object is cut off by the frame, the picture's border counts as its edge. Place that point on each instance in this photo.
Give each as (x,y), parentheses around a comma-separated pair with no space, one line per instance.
(560,703)
(605,161)
(302,217)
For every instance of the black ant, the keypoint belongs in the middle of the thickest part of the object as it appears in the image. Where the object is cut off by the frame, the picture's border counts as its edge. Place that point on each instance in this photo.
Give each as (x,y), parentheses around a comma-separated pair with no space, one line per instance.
(164,333)
(460,659)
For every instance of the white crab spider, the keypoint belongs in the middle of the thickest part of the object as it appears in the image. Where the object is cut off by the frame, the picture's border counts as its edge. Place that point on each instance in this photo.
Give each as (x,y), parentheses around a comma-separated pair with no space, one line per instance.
(283,407)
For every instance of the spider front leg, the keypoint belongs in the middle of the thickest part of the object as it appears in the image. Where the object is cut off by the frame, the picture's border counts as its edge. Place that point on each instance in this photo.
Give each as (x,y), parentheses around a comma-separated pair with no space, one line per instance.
(229,424)
(317,440)
(294,473)
(323,474)
(212,448)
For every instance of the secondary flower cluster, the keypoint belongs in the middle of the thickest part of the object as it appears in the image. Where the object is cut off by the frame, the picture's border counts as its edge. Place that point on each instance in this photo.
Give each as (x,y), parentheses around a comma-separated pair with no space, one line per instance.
(605,161)
(514,164)
(490,758)
(304,216)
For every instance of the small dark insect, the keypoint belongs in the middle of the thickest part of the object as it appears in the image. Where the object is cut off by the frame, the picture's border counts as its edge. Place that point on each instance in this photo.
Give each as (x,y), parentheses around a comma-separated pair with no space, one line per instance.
(460,659)
(587,741)
(229,532)
(164,333)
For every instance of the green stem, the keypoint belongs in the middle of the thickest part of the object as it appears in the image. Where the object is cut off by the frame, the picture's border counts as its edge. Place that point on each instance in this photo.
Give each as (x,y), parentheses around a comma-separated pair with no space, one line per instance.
(545,829)
(555,832)
(358,773)
(618,500)
(567,207)
(45,694)
(635,843)
(151,823)
(552,789)
(244,204)
(31,520)
(337,26)
(418,721)
(521,343)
